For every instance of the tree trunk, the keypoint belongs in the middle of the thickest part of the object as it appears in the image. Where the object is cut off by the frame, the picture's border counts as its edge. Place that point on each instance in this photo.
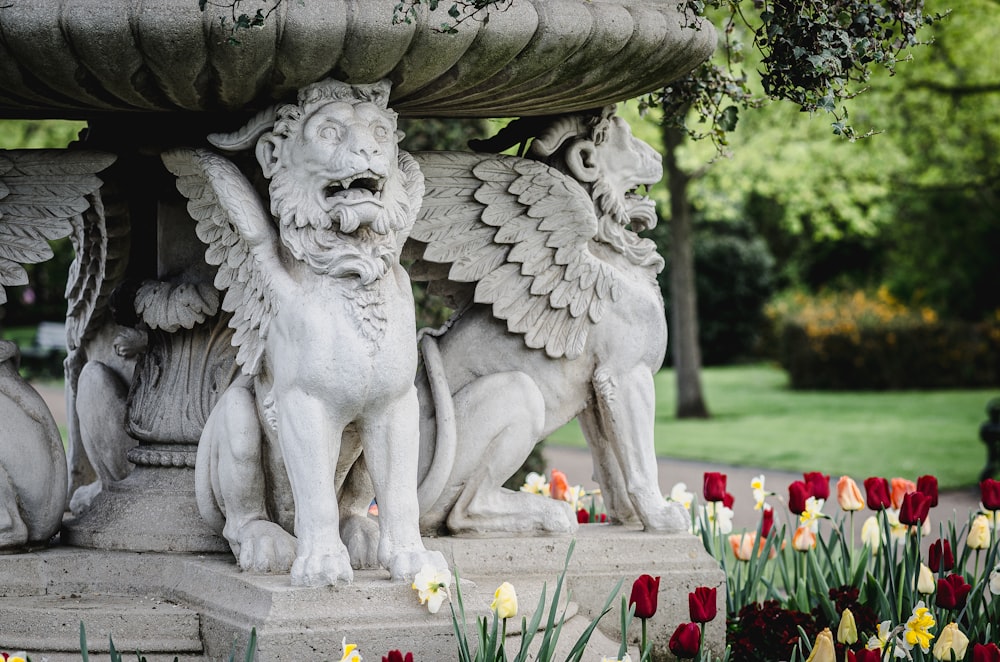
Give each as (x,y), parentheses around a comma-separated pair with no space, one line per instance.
(683,296)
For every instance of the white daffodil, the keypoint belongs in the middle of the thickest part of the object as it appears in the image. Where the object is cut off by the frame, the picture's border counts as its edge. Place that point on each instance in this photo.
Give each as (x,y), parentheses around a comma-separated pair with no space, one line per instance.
(759,492)
(679,493)
(812,514)
(350,651)
(431,586)
(995,581)
(535,483)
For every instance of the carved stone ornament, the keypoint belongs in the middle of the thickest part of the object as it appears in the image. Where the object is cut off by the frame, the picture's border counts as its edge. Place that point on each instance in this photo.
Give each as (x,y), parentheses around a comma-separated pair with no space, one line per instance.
(40,192)
(542,262)
(323,319)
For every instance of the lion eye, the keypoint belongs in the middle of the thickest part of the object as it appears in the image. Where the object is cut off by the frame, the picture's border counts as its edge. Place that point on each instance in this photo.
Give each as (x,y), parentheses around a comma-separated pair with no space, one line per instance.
(380,132)
(330,132)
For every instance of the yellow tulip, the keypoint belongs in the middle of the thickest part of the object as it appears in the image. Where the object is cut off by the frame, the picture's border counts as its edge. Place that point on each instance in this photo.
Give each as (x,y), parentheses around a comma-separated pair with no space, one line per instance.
(823,650)
(505,601)
(871,534)
(951,640)
(925,582)
(847,633)
(979,533)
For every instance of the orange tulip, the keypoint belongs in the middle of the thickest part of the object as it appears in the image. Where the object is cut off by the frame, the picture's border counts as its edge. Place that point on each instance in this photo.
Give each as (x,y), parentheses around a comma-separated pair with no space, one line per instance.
(559,486)
(804,539)
(743,544)
(900,488)
(849,495)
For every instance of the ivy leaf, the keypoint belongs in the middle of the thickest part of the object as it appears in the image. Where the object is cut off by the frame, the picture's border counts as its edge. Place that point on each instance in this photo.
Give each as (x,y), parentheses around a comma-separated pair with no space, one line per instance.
(728,118)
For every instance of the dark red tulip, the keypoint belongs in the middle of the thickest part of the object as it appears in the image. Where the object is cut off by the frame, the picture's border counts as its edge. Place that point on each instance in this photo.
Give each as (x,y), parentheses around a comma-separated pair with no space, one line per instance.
(701,604)
(985,653)
(583,516)
(819,484)
(952,592)
(864,655)
(929,486)
(939,556)
(728,500)
(877,493)
(990,491)
(686,641)
(916,506)
(397,656)
(644,592)
(715,486)
(766,522)
(798,492)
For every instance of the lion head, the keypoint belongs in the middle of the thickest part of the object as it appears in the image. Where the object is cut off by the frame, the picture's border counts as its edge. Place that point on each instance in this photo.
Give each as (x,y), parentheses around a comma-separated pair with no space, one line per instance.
(344,195)
(597,149)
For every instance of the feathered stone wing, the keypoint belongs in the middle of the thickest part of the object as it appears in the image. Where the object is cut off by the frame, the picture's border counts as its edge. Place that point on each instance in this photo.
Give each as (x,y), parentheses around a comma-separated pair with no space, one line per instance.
(521,231)
(231,221)
(40,191)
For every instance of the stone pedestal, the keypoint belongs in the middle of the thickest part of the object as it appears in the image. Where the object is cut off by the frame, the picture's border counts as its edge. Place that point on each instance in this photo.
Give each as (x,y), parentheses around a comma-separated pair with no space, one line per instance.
(116,593)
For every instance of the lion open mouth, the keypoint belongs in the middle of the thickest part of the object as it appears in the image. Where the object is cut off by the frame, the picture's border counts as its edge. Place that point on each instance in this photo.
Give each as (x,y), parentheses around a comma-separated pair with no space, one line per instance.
(640,209)
(363,187)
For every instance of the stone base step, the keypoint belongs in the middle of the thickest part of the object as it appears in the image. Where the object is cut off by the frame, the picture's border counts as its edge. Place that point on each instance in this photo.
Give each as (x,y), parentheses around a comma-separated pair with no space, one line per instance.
(47,627)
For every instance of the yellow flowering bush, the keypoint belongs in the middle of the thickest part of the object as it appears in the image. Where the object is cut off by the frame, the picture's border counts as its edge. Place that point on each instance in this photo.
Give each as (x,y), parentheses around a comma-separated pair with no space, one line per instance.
(874,341)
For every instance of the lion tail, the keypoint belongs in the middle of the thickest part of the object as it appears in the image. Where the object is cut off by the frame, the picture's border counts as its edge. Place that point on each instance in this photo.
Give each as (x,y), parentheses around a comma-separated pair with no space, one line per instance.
(445,446)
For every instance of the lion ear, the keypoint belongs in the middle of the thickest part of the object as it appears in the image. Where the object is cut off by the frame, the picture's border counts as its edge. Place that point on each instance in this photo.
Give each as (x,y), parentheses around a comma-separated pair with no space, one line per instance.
(581,160)
(267,153)
(399,136)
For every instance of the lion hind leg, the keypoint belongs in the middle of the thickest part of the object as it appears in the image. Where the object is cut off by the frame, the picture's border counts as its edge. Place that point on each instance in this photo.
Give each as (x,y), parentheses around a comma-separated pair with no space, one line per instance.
(500,418)
(13,530)
(230,484)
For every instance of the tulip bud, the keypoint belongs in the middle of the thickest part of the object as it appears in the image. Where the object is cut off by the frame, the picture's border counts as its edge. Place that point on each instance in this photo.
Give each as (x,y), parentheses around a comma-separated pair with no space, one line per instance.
(989,491)
(715,486)
(823,650)
(979,533)
(900,488)
(848,495)
(847,631)
(871,533)
(558,486)
(951,641)
(878,493)
(914,509)
(645,590)
(818,484)
(505,601)
(925,582)
(685,641)
(985,653)
(701,604)
(939,556)
(766,521)
(804,539)
(742,545)
(929,486)
(952,591)
(798,492)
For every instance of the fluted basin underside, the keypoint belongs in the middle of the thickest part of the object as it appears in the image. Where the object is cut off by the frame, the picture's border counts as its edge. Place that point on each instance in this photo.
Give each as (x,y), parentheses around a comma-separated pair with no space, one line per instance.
(86,58)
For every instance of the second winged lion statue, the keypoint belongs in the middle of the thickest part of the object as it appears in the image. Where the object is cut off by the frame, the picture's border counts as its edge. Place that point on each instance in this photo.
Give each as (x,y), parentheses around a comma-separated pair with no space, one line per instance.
(324,321)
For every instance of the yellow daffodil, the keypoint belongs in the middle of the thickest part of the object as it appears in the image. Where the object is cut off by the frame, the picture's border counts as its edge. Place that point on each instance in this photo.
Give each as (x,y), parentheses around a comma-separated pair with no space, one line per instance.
(350,652)
(979,533)
(847,632)
(952,640)
(759,492)
(925,582)
(871,534)
(627,658)
(680,494)
(19,656)
(917,631)
(823,650)
(431,586)
(535,483)
(505,601)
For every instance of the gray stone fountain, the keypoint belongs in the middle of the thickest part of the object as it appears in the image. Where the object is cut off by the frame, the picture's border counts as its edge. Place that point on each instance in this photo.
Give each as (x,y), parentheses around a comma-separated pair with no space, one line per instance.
(240,380)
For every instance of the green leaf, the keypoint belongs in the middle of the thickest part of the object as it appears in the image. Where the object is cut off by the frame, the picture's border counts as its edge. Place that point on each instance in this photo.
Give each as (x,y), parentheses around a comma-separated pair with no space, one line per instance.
(728,118)
(83,644)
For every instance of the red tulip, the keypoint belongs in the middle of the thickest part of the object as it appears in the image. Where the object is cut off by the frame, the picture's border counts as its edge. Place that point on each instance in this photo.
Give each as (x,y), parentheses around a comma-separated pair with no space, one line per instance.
(644,592)
(798,492)
(728,500)
(766,522)
(877,492)
(686,641)
(929,486)
(865,655)
(939,556)
(396,656)
(715,486)
(701,604)
(952,592)
(990,491)
(985,653)
(915,507)
(582,516)
(819,484)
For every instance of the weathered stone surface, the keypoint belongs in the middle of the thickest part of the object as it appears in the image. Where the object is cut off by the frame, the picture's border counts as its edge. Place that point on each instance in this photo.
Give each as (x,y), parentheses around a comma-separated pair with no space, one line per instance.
(69,58)
(377,614)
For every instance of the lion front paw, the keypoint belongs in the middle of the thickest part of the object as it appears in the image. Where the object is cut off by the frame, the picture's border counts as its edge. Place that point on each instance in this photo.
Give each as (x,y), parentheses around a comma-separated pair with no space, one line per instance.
(323,567)
(668,518)
(405,565)
(265,547)
(361,536)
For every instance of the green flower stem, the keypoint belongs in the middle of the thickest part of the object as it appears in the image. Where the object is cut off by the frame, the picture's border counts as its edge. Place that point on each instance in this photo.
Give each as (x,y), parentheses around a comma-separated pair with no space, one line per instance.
(643,649)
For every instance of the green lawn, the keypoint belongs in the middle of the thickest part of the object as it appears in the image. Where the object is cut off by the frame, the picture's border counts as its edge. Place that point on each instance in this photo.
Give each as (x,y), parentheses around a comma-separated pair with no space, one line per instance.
(757,421)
